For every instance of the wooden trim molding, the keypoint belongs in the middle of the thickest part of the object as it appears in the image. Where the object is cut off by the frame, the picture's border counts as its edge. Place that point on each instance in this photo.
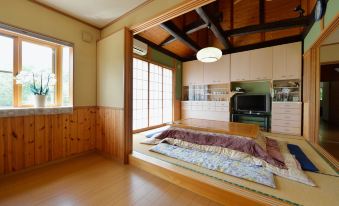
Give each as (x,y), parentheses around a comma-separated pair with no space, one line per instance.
(128,95)
(172,13)
(311,81)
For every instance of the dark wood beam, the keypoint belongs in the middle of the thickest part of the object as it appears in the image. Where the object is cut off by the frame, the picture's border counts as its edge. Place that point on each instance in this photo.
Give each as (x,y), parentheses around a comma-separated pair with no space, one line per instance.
(275,42)
(214,26)
(264,44)
(189,29)
(155,46)
(180,35)
(271,26)
(261,11)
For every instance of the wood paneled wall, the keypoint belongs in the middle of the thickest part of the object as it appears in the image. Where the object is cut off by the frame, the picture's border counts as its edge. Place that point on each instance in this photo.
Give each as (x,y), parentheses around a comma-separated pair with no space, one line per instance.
(110,132)
(34,140)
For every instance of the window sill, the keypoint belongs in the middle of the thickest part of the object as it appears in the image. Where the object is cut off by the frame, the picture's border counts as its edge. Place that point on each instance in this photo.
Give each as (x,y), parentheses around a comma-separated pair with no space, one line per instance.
(27,111)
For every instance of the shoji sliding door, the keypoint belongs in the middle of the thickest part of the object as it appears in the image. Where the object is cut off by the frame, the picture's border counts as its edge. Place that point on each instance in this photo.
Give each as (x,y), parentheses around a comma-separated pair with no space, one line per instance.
(152,94)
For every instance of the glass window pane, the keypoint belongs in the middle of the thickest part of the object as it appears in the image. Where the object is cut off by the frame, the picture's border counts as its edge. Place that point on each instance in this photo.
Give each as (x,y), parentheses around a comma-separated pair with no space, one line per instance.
(37,58)
(66,71)
(6,89)
(6,53)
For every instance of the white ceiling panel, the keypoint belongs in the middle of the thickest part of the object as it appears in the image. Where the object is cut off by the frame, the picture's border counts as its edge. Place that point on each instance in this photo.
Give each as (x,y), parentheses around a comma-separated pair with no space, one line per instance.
(96,12)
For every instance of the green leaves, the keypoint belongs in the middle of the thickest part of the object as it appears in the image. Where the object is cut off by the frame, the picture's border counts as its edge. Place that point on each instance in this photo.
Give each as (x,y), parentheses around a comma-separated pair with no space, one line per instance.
(38,82)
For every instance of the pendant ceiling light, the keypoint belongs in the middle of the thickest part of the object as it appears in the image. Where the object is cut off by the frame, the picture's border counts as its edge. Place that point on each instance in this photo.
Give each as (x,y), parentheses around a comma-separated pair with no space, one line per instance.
(209,54)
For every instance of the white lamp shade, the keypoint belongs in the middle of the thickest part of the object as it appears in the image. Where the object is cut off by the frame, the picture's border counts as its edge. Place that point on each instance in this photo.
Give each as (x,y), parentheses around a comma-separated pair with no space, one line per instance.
(209,54)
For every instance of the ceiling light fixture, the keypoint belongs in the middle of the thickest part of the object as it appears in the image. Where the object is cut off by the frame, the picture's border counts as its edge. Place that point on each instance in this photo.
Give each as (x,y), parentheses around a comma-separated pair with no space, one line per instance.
(209,54)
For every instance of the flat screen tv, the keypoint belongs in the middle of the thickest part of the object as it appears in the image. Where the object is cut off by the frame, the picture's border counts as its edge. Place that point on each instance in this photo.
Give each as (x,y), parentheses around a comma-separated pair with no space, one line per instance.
(252,103)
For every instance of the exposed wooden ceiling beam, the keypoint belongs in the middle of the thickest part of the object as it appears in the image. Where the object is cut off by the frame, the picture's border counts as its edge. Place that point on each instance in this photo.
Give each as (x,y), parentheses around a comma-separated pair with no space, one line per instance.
(189,29)
(214,26)
(175,32)
(271,26)
(155,46)
(261,11)
(264,44)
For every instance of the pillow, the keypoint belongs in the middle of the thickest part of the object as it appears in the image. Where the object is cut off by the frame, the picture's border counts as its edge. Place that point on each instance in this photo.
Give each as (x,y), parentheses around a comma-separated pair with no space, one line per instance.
(152,140)
(149,135)
(156,131)
(293,171)
(273,149)
(305,163)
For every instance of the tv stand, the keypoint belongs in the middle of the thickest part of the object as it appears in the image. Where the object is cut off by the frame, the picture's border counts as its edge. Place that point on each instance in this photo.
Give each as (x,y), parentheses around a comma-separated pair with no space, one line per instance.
(266,117)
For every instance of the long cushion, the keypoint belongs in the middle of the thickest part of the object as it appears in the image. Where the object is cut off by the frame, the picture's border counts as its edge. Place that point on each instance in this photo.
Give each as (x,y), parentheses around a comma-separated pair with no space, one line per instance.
(305,163)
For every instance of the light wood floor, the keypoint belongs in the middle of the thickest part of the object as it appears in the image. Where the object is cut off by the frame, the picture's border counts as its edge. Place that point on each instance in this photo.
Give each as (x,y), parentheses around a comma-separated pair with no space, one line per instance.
(93,180)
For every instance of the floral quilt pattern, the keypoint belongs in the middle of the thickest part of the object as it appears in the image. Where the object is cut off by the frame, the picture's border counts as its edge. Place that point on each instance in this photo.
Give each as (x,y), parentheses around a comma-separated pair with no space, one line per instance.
(217,162)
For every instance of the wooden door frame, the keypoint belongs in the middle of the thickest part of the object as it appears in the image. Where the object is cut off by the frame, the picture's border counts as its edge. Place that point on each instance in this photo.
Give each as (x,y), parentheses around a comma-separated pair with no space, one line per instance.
(314,96)
(185,7)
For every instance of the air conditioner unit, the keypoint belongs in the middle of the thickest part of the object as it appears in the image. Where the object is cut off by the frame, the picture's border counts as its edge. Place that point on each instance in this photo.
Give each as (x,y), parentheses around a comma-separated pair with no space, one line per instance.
(139,47)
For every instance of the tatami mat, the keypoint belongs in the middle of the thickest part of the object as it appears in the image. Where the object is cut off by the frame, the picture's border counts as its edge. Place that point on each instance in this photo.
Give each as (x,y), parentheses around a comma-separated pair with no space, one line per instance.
(327,181)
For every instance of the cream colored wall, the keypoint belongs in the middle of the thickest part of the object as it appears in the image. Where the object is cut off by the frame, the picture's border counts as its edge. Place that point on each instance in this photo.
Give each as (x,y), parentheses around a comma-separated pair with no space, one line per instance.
(27,15)
(141,15)
(329,53)
(110,77)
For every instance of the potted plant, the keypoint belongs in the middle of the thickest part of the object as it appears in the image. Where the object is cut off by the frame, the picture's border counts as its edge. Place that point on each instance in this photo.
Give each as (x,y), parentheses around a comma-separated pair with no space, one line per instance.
(39,83)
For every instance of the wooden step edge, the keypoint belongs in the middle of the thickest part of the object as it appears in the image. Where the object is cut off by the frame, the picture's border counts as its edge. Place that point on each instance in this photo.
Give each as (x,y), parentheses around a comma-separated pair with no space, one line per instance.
(222,192)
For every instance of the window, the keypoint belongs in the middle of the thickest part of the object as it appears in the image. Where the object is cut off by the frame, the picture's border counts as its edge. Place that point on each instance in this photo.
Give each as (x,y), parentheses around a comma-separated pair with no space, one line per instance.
(36,58)
(6,70)
(23,53)
(152,94)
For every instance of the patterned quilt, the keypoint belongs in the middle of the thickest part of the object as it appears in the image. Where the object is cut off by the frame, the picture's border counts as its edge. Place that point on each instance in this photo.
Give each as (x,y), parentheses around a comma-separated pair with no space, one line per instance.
(217,162)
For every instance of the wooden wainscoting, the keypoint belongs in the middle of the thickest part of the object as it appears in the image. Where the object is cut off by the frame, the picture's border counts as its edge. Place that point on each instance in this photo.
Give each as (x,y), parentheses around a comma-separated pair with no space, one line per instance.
(110,132)
(34,140)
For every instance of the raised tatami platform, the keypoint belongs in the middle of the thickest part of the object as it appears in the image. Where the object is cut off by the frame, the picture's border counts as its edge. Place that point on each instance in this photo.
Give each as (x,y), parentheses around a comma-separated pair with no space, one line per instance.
(231,190)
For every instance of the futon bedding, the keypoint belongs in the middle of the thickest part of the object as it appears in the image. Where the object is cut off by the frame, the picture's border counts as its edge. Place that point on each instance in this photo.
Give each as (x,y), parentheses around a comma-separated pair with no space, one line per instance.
(238,143)
(274,157)
(217,162)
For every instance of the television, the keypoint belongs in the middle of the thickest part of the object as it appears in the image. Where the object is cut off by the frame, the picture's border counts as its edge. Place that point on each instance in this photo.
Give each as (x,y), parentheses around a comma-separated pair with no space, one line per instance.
(252,103)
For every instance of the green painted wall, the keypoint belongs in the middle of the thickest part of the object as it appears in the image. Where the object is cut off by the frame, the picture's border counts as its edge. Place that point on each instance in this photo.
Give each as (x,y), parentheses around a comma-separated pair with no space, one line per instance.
(331,11)
(178,88)
(163,59)
(252,87)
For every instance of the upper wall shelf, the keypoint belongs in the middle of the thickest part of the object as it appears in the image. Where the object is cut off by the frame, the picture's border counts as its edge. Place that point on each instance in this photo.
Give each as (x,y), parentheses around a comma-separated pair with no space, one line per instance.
(280,62)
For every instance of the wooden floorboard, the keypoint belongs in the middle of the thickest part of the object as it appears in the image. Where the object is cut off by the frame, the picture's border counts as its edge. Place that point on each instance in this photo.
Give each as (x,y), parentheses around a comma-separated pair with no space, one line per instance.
(93,180)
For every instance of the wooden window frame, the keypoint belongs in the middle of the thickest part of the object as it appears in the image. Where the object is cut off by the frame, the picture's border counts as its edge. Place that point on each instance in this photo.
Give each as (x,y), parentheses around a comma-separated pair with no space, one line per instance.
(162,93)
(57,67)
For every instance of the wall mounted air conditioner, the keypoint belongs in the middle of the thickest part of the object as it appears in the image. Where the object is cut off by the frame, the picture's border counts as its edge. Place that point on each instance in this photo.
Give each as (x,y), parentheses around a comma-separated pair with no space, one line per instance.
(139,47)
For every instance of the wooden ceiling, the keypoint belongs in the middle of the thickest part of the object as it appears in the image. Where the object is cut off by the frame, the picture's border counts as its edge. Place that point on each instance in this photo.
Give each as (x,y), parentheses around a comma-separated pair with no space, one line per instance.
(244,24)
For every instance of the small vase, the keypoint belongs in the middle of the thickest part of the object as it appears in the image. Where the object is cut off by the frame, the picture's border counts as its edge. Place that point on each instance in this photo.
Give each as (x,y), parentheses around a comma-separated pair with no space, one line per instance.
(39,100)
